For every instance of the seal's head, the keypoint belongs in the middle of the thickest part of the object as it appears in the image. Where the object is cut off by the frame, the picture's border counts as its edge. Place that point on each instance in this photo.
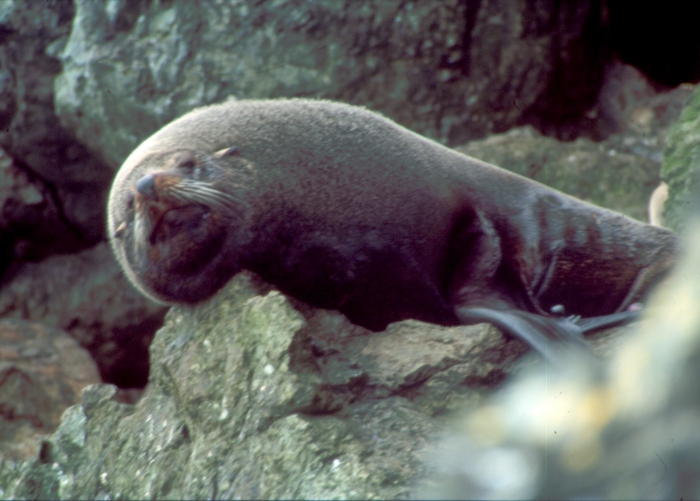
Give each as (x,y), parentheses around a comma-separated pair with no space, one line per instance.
(170,215)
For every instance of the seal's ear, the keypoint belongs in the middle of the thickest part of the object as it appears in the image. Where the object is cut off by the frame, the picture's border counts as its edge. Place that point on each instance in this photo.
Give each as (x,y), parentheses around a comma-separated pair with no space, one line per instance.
(226,152)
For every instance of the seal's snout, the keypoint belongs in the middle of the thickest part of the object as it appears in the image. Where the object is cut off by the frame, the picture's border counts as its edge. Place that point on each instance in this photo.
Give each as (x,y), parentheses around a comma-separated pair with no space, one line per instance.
(146,187)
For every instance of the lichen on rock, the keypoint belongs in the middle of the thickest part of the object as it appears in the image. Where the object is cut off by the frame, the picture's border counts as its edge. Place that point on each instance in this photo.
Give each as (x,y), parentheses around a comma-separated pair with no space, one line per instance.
(250,398)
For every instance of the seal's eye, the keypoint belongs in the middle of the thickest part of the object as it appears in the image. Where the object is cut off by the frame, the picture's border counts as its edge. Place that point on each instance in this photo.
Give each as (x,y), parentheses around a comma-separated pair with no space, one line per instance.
(185,161)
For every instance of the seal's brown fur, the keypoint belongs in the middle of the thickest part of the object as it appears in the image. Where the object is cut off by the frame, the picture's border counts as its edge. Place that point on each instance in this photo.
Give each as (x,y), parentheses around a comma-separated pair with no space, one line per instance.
(342,208)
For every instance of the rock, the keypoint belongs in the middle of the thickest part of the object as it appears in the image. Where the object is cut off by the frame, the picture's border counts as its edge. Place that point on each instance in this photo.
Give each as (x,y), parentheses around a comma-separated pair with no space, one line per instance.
(87,295)
(42,372)
(451,70)
(619,173)
(262,400)
(32,225)
(599,173)
(72,181)
(630,24)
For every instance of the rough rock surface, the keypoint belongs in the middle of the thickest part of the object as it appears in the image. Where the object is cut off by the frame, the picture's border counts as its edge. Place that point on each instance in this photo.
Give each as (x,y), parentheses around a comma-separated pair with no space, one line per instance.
(599,173)
(87,295)
(250,398)
(42,372)
(31,223)
(452,70)
(618,173)
(72,181)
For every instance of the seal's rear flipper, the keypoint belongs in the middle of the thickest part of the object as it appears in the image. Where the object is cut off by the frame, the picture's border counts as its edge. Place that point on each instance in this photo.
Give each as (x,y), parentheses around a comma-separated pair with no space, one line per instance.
(552,337)
(605,321)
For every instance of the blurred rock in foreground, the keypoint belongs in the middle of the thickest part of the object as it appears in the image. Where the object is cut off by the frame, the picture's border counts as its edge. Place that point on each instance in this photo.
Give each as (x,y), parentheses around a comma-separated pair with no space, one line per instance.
(630,431)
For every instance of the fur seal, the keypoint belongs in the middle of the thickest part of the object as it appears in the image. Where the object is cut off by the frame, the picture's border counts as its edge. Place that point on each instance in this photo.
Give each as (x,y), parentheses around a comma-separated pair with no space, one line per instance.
(344,209)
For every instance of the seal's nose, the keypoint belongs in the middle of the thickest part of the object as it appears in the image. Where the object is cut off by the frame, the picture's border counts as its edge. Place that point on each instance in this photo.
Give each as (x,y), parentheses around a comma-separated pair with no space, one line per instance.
(145,186)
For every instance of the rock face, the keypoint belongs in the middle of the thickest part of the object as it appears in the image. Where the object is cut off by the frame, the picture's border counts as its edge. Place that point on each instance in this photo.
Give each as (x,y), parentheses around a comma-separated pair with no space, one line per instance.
(624,185)
(31,223)
(87,295)
(618,173)
(42,372)
(452,70)
(249,398)
(82,83)
(73,182)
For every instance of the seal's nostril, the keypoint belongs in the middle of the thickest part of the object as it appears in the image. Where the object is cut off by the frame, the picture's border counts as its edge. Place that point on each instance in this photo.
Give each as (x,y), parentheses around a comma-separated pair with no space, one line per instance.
(145,186)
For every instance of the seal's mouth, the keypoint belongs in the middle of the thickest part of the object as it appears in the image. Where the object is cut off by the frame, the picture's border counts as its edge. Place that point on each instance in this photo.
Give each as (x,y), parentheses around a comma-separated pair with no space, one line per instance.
(179,238)
(174,207)
(175,221)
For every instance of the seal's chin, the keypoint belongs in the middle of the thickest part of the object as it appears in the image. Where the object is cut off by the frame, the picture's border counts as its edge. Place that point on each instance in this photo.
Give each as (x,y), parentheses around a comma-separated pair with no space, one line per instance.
(184,240)
(174,222)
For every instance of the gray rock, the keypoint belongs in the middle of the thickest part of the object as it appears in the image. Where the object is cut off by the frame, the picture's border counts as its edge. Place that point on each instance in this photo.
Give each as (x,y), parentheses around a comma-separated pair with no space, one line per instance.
(116,71)
(619,172)
(42,372)
(599,173)
(71,178)
(250,398)
(32,225)
(451,70)
(87,295)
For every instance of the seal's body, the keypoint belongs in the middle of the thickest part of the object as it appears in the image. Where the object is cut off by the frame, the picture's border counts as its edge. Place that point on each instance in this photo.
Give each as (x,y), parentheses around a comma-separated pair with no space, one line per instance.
(344,209)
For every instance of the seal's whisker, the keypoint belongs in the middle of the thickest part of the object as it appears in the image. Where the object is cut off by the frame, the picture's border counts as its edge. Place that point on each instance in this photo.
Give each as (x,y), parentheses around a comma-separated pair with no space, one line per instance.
(204,188)
(207,199)
(180,197)
(199,191)
(184,191)
(203,193)
(221,201)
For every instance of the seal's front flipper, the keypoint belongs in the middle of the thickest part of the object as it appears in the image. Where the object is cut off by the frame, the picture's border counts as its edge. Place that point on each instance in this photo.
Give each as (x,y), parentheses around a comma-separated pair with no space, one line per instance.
(552,337)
